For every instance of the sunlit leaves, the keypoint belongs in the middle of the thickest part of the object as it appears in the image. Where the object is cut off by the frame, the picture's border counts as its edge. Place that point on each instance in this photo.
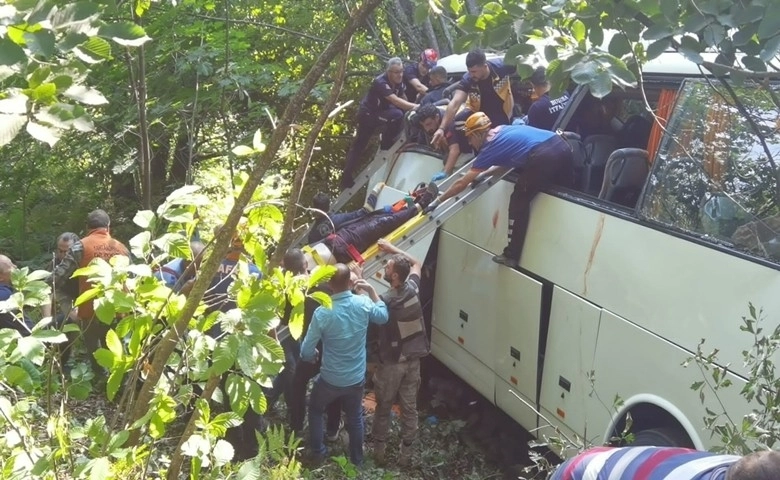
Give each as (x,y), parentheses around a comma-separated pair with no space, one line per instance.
(127,34)
(11,53)
(10,126)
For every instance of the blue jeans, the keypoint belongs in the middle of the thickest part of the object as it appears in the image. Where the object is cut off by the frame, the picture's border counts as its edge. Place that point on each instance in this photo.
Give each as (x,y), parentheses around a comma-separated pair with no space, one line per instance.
(322,395)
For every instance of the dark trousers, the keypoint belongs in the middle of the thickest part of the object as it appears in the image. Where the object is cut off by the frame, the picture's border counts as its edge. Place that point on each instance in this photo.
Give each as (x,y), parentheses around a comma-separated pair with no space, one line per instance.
(548,163)
(367,123)
(282,384)
(296,402)
(367,231)
(351,398)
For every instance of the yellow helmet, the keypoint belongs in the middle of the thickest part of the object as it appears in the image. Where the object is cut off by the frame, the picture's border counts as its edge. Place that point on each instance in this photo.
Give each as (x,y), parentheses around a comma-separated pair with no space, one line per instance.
(477,122)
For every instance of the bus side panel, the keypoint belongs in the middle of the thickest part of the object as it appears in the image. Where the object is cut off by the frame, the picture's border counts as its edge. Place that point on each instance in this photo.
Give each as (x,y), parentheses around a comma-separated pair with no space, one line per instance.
(678,289)
(568,359)
(463,309)
(484,222)
(641,367)
(507,400)
(516,347)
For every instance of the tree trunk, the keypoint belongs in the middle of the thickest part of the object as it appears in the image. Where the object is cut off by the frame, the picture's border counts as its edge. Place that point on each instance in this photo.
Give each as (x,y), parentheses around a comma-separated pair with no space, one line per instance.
(223,238)
(445,28)
(433,42)
(303,166)
(472,7)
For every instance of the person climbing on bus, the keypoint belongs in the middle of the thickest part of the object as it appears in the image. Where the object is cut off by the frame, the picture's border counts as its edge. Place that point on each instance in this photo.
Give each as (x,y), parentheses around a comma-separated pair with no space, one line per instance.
(662,463)
(417,75)
(485,87)
(383,105)
(541,158)
(427,119)
(348,242)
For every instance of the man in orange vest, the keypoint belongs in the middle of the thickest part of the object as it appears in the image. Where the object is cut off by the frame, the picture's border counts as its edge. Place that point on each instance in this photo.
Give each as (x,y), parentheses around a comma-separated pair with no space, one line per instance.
(96,244)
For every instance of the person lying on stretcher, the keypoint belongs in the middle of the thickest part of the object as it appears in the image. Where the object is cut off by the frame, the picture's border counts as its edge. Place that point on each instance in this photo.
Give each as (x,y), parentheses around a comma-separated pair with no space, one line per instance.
(354,237)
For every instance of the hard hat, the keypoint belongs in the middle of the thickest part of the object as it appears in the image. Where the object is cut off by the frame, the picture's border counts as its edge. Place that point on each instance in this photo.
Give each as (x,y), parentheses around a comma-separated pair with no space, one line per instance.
(429,57)
(477,122)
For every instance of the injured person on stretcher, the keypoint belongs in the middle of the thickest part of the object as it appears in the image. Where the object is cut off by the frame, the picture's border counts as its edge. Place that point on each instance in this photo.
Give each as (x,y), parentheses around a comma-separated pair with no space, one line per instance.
(350,240)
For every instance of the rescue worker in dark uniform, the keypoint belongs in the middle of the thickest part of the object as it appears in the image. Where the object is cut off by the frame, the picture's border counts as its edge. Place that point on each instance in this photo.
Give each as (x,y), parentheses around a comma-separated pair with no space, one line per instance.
(416,75)
(383,105)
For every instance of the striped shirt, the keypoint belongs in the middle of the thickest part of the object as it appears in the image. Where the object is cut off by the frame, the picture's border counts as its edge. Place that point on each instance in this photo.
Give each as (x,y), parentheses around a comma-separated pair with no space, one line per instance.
(645,463)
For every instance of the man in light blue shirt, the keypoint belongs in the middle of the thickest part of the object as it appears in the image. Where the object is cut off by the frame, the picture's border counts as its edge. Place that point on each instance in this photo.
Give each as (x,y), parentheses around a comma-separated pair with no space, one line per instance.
(342,330)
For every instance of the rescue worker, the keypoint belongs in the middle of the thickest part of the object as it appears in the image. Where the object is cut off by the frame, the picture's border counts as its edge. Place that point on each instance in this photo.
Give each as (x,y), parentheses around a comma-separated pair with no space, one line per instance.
(416,75)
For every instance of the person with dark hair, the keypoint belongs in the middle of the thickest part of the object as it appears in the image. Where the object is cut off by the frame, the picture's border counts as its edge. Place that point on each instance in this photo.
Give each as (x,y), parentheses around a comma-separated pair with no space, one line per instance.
(544,111)
(667,463)
(417,75)
(342,330)
(485,87)
(437,83)
(96,244)
(10,318)
(428,119)
(541,158)
(383,105)
(326,222)
(402,343)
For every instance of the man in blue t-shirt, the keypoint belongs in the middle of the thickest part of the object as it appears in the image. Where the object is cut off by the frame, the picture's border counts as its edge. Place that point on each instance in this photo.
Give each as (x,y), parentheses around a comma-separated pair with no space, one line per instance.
(383,105)
(544,111)
(668,463)
(485,87)
(416,75)
(541,158)
(342,330)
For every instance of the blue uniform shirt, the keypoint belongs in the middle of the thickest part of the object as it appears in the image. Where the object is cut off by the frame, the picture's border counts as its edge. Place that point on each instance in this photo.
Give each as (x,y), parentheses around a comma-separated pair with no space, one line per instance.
(545,111)
(411,72)
(342,330)
(509,146)
(171,272)
(375,100)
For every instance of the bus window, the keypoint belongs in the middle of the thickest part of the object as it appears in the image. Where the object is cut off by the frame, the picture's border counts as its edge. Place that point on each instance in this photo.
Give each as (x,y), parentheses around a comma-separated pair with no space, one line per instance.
(712,176)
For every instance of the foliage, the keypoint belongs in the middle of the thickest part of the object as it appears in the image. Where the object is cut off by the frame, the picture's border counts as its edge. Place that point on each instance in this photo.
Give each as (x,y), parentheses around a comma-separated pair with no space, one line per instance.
(138,308)
(760,428)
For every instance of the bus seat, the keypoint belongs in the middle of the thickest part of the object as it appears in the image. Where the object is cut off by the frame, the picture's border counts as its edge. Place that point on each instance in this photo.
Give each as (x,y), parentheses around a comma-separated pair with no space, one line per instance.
(597,148)
(624,176)
(578,156)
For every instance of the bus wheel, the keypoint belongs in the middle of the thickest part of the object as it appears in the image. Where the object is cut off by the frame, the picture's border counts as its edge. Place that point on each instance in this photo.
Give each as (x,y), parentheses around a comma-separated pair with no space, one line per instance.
(662,437)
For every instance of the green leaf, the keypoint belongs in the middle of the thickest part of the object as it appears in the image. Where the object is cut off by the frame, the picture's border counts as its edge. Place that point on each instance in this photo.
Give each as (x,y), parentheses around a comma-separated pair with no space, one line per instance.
(619,45)
(550,53)
(714,34)
(73,14)
(242,151)
(655,49)
(257,398)
(518,50)
(696,22)
(37,77)
(223,452)
(142,6)
(670,9)
(113,343)
(164,413)
(322,298)
(63,82)
(88,295)
(174,244)
(601,85)
(49,336)
(296,321)
(97,47)
(144,219)
(127,34)
(104,358)
(18,377)
(596,35)
(115,381)
(770,24)
(320,274)
(224,356)
(754,64)
(10,126)
(104,309)
(86,95)
(658,32)
(420,13)
(578,30)
(99,468)
(41,43)
(11,53)
(236,389)
(43,133)
(44,92)
(771,49)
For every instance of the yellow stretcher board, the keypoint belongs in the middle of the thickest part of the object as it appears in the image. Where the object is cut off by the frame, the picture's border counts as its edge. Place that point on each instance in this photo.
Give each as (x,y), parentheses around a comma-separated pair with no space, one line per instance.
(395,235)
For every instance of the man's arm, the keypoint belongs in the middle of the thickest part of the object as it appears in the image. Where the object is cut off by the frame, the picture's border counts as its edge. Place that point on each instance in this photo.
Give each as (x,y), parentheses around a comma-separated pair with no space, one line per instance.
(386,246)
(458,99)
(453,152)
(418,85)
(312,338)
(400,102)
(459,185)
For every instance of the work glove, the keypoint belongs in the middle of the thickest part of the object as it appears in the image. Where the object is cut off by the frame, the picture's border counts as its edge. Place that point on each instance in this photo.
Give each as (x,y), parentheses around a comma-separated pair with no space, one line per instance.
(439,176)
(479,179)
(431,207)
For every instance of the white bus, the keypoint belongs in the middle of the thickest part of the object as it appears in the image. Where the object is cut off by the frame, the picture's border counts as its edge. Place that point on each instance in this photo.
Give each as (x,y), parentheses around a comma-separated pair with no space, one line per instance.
(656,248)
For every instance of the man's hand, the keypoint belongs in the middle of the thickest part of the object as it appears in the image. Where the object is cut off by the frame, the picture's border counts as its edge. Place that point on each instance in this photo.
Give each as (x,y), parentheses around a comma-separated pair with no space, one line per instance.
(439,176)
(384,245)
(438,138)
(355,268)
(431,207)
(363,285)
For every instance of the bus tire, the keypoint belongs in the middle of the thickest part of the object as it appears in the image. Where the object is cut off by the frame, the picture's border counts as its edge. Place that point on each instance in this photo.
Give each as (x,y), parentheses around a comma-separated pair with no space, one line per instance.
(662,437)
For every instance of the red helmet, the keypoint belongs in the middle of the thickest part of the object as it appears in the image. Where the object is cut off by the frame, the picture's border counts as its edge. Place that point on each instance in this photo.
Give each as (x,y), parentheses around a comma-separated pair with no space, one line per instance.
(429,57)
